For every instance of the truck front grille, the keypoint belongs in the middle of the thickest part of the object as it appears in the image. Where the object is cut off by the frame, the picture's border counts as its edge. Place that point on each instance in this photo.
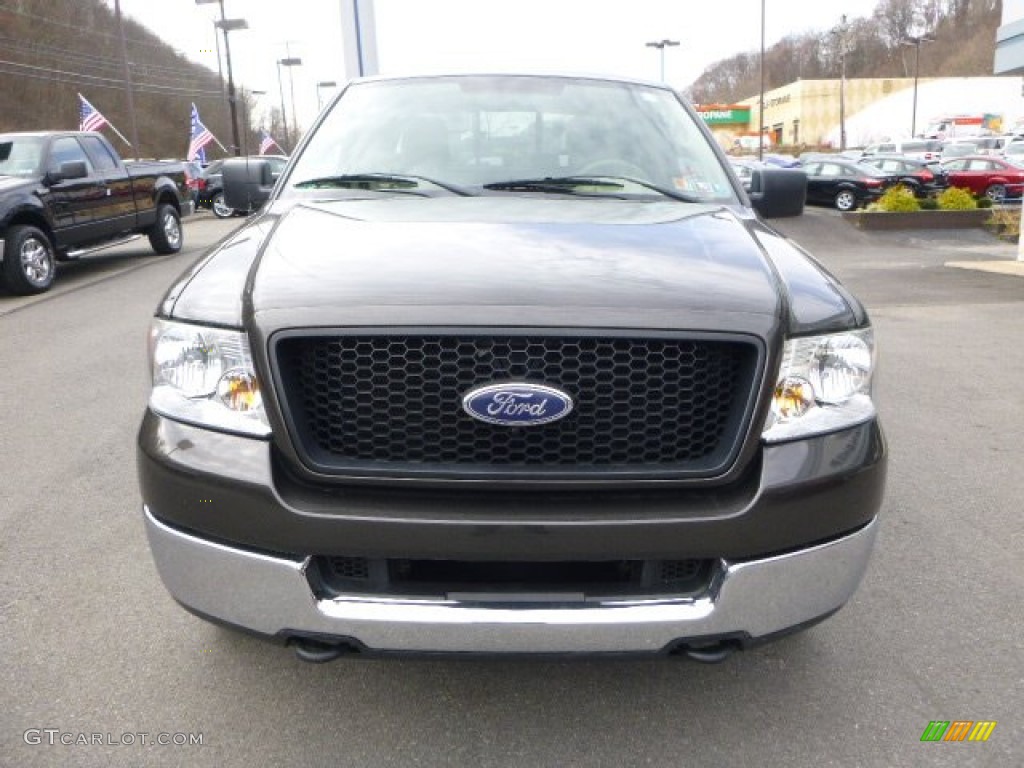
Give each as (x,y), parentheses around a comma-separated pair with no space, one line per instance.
(367,404)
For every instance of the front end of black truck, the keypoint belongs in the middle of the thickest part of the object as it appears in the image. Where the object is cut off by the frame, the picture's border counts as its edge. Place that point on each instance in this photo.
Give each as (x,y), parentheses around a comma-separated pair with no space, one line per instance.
(586,414)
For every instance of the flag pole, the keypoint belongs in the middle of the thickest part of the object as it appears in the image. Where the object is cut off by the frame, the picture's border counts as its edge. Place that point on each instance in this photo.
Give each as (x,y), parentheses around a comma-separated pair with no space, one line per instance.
(111,126)
(103,117)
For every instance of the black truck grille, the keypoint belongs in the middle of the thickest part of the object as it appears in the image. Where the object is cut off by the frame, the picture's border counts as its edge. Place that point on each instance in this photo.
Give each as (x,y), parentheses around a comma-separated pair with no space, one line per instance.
(383,403)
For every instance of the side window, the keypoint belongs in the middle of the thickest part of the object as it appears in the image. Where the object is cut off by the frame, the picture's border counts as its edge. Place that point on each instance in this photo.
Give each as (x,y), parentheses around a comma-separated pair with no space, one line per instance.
(276,166)
(813,169)
(886,147)
(67,150)
(980,165)
(831,169)
(956,165)
(99,153)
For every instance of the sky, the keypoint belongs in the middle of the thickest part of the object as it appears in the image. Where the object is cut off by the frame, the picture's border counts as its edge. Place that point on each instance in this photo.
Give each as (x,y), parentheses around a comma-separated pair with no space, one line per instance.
(584,36)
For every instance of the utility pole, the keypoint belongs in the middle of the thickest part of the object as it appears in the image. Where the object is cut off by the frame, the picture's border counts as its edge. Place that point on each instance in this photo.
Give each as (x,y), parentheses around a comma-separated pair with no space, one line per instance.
(133,126)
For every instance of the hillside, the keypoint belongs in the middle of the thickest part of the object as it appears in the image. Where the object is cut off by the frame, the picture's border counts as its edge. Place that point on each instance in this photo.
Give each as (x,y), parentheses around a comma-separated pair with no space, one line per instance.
(964,45)
(50,50)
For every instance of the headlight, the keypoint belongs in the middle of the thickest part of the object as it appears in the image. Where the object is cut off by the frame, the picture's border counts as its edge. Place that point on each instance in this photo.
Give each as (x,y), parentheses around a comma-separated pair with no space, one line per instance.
(824,385)
(205,376)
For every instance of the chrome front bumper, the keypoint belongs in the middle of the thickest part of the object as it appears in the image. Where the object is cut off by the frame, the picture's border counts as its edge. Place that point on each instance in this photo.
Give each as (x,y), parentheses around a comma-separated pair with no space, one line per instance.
(272,596)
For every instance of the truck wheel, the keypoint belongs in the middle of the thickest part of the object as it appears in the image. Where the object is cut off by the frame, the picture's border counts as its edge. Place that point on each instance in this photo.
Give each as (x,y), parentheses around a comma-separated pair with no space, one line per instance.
(846,200)
(28,265)
(220,210)
(165,234)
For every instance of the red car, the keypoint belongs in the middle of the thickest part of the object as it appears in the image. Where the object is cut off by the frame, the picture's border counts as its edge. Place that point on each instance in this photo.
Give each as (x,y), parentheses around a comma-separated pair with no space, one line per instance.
(994,177)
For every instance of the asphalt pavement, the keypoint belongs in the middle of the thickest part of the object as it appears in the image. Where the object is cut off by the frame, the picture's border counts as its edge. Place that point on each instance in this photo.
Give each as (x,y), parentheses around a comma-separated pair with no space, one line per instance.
(94,649)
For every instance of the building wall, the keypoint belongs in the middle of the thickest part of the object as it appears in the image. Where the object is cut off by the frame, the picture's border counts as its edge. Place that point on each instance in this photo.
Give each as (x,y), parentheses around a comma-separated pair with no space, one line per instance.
(806,111)
(1009,58)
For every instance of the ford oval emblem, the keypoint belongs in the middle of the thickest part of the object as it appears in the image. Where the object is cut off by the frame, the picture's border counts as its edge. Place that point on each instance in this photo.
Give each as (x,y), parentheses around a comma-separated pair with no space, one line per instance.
(517,404)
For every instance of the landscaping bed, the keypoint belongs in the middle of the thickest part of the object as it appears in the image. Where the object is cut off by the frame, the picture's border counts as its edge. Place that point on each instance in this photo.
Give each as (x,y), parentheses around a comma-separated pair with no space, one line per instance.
(883,220)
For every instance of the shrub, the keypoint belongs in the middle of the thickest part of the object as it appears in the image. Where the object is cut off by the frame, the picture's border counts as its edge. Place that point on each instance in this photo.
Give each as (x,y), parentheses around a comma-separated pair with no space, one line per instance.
(1005,222)
(984,202)
(956,199)
(929,204)
(898,199)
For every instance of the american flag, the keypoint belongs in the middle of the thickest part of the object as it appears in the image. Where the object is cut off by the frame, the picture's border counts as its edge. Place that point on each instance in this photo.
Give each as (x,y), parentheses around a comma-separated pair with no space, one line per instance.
(200,137)
(266,142)
(89,118)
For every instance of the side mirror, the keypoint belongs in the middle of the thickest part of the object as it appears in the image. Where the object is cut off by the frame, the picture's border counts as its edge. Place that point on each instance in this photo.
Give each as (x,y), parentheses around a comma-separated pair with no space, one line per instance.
(247,183)
(75,169)
(778,192)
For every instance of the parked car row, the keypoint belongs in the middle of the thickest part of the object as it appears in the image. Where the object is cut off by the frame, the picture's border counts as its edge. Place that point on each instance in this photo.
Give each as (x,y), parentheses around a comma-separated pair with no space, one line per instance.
(937,149)
(847,183)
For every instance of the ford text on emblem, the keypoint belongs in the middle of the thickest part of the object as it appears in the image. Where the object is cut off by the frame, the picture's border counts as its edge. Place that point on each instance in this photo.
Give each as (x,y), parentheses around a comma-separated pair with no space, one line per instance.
(517,404)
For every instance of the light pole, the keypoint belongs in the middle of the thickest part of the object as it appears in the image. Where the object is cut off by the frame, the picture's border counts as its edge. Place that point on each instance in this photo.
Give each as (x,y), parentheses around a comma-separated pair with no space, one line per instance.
(248,116)
(840,33)
(287,62)
(916,40)
(226,25)
(291,87)
(220,68)
(760,106)
(323,84)
(661,45)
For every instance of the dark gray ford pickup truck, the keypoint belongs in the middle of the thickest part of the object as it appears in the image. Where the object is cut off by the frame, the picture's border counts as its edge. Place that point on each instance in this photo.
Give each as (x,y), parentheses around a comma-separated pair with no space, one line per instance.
(64,194)
(511,365)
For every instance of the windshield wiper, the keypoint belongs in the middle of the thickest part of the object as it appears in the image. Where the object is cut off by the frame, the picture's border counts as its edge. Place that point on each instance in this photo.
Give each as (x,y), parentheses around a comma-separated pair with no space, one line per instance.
(568,185)
(558,184)
(674,194)
(398,182)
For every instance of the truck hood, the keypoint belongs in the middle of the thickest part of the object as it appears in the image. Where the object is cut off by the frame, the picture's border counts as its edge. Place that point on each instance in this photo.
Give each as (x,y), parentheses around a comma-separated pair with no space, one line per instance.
(11,183)
(519,261)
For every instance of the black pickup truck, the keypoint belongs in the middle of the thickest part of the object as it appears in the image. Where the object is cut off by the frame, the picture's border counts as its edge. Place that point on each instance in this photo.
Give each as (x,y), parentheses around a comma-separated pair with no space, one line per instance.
(64,194)
(511,365)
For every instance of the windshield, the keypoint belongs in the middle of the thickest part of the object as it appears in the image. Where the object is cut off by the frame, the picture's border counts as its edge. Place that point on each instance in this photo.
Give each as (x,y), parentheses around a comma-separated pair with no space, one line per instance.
(869,170)
(20,155)
(465,132)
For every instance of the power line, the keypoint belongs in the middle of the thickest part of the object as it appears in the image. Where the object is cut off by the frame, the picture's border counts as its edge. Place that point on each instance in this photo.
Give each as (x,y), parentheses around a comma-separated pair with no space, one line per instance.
(100,81)
(92,31)
(78,57)
(72,81)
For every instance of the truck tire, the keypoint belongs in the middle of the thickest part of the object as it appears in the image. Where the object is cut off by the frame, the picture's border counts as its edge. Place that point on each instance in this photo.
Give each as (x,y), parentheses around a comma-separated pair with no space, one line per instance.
(220,210)
(29,265)
(165,234)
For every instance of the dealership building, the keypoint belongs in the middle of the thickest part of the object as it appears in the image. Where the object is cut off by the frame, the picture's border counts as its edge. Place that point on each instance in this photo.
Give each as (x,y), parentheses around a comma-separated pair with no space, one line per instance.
(807,112)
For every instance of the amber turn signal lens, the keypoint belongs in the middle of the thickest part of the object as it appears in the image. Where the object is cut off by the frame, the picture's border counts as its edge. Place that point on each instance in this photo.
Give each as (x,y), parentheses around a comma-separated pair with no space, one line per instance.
(793,398)
(239,390)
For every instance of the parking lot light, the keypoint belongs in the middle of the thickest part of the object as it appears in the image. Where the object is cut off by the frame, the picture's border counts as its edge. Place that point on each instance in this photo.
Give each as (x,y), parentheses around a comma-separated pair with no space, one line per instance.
(661,45)
(226,25)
